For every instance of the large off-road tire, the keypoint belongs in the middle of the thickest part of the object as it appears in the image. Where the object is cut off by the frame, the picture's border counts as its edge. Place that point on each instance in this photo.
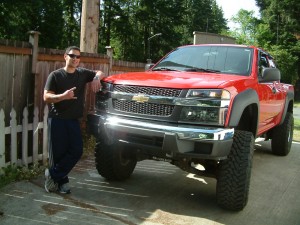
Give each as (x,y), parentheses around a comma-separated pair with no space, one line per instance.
(113,161)
(282,136)
(234,173)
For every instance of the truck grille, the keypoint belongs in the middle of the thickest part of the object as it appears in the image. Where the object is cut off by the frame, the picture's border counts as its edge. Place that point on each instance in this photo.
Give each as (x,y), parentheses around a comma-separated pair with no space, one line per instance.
(145,108)
(169,92)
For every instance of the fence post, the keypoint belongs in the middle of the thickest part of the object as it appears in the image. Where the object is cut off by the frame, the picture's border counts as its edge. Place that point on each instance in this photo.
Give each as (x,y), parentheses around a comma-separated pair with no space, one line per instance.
(109,53)
(45,135)
(13,137)
(34,41)
(35,131)
(2,139)
(25,137)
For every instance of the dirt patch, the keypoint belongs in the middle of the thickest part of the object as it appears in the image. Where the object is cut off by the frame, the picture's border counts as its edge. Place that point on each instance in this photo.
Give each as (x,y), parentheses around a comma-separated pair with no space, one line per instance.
(52,209)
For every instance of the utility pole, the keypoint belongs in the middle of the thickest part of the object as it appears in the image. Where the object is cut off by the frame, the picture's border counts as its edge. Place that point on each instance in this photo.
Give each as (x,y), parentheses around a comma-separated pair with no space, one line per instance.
(89,26)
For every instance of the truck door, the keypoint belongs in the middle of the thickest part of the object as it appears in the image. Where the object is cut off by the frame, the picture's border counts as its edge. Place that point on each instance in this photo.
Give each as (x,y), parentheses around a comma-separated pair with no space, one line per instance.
(271,97)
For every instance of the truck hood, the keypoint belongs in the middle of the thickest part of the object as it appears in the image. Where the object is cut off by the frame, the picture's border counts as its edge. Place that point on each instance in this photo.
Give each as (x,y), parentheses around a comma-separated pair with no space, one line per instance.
(174,79)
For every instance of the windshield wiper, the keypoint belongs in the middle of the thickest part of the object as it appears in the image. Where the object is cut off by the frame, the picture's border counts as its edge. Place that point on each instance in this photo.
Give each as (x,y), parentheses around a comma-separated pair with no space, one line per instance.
(197,69)
(164,69)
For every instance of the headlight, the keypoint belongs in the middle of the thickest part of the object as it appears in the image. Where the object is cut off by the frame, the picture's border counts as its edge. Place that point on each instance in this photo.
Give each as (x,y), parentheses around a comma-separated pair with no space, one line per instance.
(205,106)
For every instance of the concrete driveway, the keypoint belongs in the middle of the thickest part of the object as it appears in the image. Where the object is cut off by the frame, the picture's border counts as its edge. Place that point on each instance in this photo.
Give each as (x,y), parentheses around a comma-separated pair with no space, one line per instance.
(159,193)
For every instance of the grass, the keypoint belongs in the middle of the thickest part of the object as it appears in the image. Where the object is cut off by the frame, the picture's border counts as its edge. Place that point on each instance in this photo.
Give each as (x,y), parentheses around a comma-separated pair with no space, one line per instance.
(297,104)
(296,136)
(14,173)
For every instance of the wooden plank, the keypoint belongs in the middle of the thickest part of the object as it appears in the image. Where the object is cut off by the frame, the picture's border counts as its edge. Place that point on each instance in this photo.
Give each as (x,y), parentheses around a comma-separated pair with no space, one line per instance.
(15,50)
(13,137)
(83,59)
(2,139)
(35,135)
(45,135)
(25,138)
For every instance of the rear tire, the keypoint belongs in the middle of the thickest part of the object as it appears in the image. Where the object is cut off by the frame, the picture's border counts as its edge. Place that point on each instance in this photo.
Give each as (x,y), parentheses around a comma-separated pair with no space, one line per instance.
(113,161)
(234,173)
(282,136)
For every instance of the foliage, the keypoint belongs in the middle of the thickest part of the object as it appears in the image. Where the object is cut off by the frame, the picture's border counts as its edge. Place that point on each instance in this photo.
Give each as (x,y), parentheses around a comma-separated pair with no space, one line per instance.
(246,32)
(286,62)
(13,173)
(296,136)
(19,17)
(89,143)
(278,33)
(275,32)
(126,25)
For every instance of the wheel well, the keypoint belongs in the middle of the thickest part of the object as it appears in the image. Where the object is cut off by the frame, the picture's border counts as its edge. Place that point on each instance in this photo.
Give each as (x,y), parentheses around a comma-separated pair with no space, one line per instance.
(290,107)
(249,119)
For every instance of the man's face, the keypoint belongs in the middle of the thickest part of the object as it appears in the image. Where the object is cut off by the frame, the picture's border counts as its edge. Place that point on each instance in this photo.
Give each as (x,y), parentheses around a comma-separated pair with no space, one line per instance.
(72,59)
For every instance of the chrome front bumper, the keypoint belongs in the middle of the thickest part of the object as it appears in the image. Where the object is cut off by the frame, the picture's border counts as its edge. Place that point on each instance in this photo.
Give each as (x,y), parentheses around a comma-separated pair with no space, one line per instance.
(176,139)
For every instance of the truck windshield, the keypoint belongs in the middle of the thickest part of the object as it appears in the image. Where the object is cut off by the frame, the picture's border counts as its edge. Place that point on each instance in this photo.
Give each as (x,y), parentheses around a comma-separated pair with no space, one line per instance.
(209,59)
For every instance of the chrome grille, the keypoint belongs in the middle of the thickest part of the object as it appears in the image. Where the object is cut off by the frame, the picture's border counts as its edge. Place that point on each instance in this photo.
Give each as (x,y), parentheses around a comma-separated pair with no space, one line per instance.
(145,108)
(148,90)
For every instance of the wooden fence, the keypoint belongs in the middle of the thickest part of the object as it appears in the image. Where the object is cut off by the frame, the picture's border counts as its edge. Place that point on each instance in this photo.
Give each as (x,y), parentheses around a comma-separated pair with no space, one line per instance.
(17,136)
(24,68)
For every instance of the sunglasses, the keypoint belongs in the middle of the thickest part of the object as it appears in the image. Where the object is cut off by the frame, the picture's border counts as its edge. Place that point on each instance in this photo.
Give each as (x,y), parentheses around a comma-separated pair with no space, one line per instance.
(73,56)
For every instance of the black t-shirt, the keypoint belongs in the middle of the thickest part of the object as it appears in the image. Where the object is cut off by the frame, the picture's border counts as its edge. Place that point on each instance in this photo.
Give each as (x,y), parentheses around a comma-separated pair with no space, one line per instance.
(59,81)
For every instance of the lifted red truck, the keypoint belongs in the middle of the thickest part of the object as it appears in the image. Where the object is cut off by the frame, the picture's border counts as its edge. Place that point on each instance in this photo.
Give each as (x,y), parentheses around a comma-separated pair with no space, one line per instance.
(199,105)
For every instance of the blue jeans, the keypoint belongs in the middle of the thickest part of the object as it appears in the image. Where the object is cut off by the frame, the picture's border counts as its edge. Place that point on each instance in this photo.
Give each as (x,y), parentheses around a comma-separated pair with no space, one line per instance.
(65,147)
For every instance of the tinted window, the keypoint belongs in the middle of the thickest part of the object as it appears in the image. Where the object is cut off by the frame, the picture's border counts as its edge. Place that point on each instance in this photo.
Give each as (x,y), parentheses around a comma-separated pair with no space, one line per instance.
(231,60)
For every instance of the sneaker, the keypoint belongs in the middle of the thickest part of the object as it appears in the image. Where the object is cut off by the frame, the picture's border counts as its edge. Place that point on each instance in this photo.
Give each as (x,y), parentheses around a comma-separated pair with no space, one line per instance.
(50,185)
(64,189)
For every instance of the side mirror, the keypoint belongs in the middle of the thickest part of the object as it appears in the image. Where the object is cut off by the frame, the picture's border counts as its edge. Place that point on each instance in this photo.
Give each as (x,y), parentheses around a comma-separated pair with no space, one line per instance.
(149,66)
(270,75)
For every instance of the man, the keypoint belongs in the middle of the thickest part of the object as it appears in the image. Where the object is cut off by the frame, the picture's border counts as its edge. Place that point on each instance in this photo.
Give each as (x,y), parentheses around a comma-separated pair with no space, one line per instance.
(64,93)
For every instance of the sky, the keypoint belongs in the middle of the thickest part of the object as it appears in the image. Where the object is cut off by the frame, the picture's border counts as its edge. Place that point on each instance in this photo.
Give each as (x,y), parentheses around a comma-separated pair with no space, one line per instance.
(231,7)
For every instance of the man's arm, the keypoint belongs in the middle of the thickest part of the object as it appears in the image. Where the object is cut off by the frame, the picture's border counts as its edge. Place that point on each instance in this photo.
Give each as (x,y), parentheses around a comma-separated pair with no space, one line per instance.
(51,97)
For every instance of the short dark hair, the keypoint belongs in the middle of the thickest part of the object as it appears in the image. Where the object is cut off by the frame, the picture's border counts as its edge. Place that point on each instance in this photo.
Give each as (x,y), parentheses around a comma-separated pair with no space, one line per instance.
(68,49)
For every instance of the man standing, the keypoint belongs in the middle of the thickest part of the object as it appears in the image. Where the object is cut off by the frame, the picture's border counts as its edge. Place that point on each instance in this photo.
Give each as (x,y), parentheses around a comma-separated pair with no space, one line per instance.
(64,93)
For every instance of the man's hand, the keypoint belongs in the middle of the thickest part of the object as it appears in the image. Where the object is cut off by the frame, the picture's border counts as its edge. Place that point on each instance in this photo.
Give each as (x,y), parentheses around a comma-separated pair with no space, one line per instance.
(96,83)
(69,94)
(51,97)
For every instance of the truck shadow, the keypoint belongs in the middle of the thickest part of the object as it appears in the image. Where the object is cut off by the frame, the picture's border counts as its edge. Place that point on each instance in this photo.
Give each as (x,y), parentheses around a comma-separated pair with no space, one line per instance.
(159,193)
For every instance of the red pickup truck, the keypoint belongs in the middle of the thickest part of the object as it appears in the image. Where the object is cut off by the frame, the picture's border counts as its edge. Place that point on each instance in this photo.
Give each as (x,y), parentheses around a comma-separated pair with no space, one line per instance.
(199,108)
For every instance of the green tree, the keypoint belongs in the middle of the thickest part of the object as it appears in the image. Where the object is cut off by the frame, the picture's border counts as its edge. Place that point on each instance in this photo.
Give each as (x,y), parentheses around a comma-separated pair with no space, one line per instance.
(70,28)
(286,62)
(203,16)
(278,33)
(126,25)
(50,17)
(246,30)
(18,18)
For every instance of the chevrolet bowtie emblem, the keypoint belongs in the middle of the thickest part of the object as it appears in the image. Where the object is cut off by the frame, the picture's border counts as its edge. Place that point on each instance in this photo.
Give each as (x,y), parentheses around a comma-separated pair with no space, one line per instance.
(140,98)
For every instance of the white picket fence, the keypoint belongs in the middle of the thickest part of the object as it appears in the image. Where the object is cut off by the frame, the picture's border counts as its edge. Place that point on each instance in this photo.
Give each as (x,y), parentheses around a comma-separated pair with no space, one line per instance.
(23,128)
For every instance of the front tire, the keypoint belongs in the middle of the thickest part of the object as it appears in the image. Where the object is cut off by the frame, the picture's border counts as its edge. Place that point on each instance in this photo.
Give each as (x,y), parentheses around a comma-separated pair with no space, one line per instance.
(282,136)
(234,173)
(114,161)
